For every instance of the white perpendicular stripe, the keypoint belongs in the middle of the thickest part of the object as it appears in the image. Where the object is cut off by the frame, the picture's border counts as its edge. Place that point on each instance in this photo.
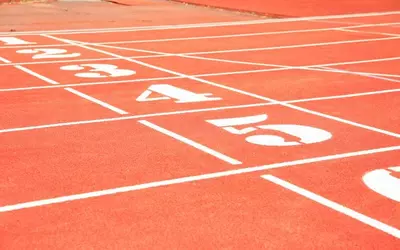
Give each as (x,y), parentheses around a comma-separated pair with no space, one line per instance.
(335,206)
(4,60)
(97,101)
(191,143)
(26,70)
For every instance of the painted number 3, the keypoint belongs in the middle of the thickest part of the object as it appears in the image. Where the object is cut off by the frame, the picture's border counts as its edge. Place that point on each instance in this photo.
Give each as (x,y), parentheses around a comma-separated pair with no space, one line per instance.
(278,134)
(98,70)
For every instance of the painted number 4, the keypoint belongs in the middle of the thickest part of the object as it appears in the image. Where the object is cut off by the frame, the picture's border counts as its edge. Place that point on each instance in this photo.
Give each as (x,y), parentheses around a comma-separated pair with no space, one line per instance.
(278,134)
(171,92)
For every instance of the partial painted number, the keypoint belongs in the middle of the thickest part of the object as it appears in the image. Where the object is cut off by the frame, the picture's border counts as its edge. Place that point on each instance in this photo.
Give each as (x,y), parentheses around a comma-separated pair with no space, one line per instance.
(14,41)
(98,70)
(383,182)
(278,134)
(48,53)
(171,92)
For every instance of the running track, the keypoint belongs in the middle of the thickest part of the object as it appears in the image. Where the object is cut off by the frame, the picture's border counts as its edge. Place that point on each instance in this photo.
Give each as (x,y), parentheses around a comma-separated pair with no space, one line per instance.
(271,134)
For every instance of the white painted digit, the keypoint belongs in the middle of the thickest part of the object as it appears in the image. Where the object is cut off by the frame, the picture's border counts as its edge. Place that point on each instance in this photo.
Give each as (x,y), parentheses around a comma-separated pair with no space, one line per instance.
(305,135)
(48,53)
(279,135)
(384,183)
(14,41)
(228,123)
(97,69)
(172,92)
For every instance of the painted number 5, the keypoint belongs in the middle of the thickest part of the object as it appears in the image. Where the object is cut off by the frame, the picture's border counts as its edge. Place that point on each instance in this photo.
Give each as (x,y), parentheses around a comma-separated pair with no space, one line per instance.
(98,70)
(384,182)
(278,134)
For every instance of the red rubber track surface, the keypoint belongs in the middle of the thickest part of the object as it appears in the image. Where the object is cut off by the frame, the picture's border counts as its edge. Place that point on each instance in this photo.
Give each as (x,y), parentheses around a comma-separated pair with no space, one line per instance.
(299,7)
(200,129)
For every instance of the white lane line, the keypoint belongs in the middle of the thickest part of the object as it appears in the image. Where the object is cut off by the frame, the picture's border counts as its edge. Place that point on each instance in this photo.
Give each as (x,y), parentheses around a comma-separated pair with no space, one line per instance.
(30,72)
(64,124)
(308,111)
(158,54)
(185,56)
(48,80)
(200,25)
(140,80)
(97,101)
(291,46)
(211,37)
(335,206)
(76,92)
(348,29)
(4,60)
(245,34)
(364,74)
(357,62)
(163,55)
(60,61)
(309,68)
(208,74)
(323,98)
(112,191)
(191,143)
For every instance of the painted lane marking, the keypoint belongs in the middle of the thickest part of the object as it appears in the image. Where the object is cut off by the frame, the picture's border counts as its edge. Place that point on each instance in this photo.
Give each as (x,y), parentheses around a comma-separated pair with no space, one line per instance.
(97,101)
(191,143)
(335,206)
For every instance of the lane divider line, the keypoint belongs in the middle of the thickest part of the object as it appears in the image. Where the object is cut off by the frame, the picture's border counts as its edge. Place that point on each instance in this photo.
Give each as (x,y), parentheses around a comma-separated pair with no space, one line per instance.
(192,143)
(335,206)
(71,90)
(97,101)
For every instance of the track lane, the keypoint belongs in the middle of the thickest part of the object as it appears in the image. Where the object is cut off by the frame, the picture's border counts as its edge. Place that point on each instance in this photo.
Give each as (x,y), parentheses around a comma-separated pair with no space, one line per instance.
(136,97)
(342,181)
(234,43)
(48,106)
(242,210)
(49,163)
(14,78)
(350,138)
(137,36)
(365,109)
(298,84)
(384,67)
(311,55)
(74,152)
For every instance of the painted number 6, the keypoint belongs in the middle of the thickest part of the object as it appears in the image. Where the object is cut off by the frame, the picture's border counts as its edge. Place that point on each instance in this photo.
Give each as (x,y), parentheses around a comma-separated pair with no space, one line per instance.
(279,134)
